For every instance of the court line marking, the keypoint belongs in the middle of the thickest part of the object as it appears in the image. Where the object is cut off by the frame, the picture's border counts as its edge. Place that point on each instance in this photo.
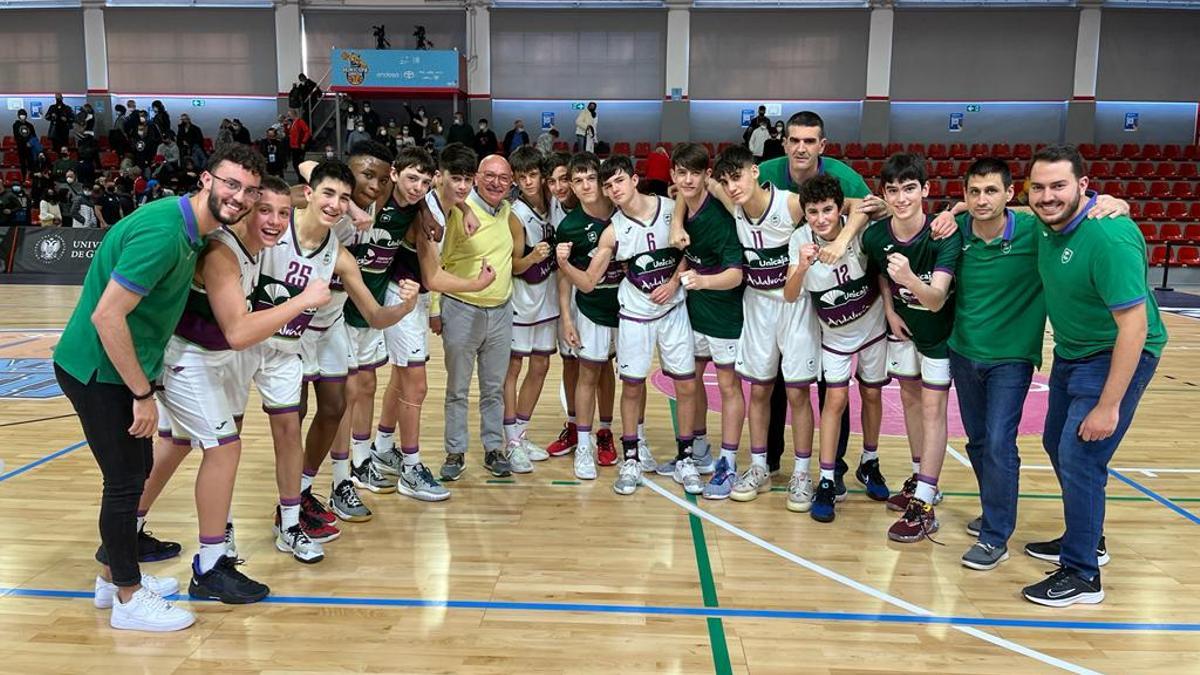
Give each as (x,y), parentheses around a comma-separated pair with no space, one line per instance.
(1155,496)
(659,610)
(708,591)
(6,345)
(861,587)
(958,455)
(38,462)
(1127,469)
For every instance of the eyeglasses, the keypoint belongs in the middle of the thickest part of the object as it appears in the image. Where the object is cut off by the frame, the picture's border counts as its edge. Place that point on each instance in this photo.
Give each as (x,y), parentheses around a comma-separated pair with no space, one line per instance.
(501,178)
(252,192)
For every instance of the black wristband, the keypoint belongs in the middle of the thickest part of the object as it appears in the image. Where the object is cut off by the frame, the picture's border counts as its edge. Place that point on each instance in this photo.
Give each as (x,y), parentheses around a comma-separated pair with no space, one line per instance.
(144,396)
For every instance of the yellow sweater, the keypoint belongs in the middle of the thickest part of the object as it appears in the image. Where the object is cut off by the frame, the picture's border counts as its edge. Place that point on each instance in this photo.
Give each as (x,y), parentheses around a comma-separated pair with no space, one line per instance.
(461,254)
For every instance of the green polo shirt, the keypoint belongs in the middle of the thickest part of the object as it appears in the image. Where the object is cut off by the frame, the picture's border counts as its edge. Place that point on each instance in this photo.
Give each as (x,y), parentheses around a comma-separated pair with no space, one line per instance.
(1000,314)
(775,171)
(151,252)
(714,249)
(1089,270)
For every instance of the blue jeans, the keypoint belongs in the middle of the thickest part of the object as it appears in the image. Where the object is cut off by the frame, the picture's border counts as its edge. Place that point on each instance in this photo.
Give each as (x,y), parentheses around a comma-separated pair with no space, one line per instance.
(1082,467)
(991,397)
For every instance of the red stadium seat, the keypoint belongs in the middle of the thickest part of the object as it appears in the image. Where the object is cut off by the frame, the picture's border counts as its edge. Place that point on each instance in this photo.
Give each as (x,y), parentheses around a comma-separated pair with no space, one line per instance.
(979,150)
(1170,231)
(622,148)
(642,148)
(916,149)
(944,169)
(1194,211)
(1172,152)
(833,150)
(1131,151)
(875,168)
(1166,170)
(10,143)
(1135,189)
(1154,211)
(639,167)
(1160,189)
(1158,256)
(1144,170)
(935,189)
(1187,170)
(103,142)
(1191,153)
(1017,169)
(109,160)
(954,189)
(861,166)
(10,159)
(561,146)
(959,151)
(712,150)
(1099,170)
(854,151)
(1023,152)
(1088,150)
(1114,188)
(1135,211)
(1002,150)
(668,146)
(1149,231)
(1177,211)
(1108,151)
(1122,170)
(938,151)
(1152,152)
(1183,190)
(723,146)
(893,148)
(874,151)
(1192,232)
(1189,256)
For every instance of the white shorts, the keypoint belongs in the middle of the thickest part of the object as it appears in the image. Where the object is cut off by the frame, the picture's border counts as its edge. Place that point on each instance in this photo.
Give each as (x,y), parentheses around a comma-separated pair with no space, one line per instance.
(597,343)
(537,340)
(672,332)
(279,377)
(326,352)
(565,350)
(774,330)
(368,350)
(407,341)
(872,365)
(721,351)
(906,363)
(201,403)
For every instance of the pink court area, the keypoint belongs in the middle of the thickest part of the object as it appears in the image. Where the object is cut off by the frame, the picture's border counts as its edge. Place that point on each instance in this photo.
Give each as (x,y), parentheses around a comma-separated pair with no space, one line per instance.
(1032,420)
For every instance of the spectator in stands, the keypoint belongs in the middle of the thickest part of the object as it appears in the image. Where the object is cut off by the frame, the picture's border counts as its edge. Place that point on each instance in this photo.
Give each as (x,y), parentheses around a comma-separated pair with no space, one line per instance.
(50,208)
(143,148)
(83,209)
(85,170)
(125,196)
(72,185)
(240,133)
(297,94)
(298,139)
(275,152)
(516,137)
(758,139)
(109,205)
(63,163)
(24,133)
(755,122)
(132,119)
(460,131)
(139,182)
(586,118)
(160,119)
(190,139)
(485,139)
(169,149)
(127,162)
(370,119)
(545,141)
(436,136)
(658,171)
(330,153)
(89,149)
(224,135)
(418,123)
(404,138)
(41,184)
(589,139)
(357,135)
(773,146)
(61,117)
(14,205)
(85,121)
(118,141)
(314,98)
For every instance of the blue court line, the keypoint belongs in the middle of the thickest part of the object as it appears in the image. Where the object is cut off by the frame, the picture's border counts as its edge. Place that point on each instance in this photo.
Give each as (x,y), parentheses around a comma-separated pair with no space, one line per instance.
(1155,496)
(19,342)
(38,462)
(657,610)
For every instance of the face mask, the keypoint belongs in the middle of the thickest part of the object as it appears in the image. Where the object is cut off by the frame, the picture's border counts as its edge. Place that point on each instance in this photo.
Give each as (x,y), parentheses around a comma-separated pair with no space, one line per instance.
(483,127)
(16,188)
(70,180)
(21,117)
(367,109)
(329,155)
(360,128)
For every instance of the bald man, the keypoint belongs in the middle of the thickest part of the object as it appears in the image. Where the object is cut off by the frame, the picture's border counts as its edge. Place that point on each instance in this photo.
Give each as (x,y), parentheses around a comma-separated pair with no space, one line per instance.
(477,326)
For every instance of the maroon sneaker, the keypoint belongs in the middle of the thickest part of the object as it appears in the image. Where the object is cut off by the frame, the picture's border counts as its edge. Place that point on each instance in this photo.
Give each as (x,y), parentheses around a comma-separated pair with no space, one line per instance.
(899,501)
(917,523)
(606,448)
(314,508)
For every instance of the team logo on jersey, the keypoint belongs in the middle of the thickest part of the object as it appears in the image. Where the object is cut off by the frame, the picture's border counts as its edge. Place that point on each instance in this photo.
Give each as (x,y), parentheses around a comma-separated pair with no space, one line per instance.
(592,237)
(1006,248)
(1067,254)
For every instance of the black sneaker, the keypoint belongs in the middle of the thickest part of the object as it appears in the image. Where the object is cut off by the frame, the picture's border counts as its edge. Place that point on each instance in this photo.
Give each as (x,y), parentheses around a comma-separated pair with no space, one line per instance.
(1062,588)
(454,466)
(871,478)
(976,526)
(1049,551)
(150,549)
(496,462)
(839,488)
(822,509)
(225,583)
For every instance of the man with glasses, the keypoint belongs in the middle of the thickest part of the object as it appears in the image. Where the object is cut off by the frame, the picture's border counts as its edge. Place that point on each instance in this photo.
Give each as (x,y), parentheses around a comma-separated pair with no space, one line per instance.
(112,349)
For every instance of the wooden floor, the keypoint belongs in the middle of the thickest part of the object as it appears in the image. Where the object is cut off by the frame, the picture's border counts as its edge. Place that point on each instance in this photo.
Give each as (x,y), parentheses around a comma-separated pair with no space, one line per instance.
(543,574)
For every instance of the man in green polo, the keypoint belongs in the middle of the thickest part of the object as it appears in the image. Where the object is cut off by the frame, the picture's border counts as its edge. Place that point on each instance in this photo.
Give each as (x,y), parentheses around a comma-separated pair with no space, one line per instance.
(111,351)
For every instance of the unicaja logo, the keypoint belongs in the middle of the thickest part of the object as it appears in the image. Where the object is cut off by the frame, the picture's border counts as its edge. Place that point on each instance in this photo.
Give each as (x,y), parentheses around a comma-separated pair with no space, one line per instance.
(50,248)
(1066,256)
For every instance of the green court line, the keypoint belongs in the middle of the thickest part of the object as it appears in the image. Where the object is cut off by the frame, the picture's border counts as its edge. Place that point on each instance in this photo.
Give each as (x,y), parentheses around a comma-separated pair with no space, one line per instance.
(501,481)
(1034,495)
(564,482)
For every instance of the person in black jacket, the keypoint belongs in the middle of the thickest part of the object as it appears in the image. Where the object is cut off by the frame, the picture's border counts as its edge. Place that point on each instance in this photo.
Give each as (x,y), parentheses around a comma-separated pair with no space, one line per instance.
(188,136)
(161,121)
(142,146)
(275,152)
(515,138)
(240,133)
(460,132)
(24,133)
(370,119)
(61,117)
(485,140)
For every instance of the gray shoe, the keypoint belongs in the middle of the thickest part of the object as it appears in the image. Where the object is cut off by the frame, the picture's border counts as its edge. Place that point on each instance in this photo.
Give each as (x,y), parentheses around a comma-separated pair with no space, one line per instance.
(496,462)
(417,481)
(983,556)
(629,479)
(366,476)
(975,526)
(666,468)
(389,462)
(703,458)
(518,461)
(347,505)
(454,466)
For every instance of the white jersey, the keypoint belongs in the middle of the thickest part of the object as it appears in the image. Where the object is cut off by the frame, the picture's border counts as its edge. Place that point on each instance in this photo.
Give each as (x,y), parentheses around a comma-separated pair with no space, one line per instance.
(345,232)
(845,297)
(557,212)
(198,339)
(649,259)
(765,244)
(535,291)
(284,273)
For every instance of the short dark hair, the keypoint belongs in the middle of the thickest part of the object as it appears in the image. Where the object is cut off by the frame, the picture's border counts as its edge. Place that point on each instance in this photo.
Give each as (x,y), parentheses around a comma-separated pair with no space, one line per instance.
(411,156)
(819,188)
(986,166)
(456,159)
(374,149)
(1060,153)
(690,156)
(806,118)
(614,165)
(526,159)
(557,159)
(331,169)
(237,153)
(483,120)
(582,162)
(269,184)
(732,161)
(902,167)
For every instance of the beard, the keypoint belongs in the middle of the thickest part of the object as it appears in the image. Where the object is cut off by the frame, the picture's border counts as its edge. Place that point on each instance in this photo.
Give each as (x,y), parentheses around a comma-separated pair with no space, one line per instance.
(1066,214)
(214,207)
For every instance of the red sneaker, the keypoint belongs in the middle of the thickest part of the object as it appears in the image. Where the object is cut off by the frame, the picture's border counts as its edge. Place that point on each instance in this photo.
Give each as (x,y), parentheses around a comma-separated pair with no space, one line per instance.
(314,508)
(899,501)
(606,448)
(317,529)
(917,523)
(566,441)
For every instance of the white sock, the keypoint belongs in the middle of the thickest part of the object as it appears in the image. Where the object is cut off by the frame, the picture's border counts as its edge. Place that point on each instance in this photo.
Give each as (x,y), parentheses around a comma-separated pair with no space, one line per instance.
(209,555)
(141,522)
(411,458)
(869,455)
(306,481)
(522,427)
(384,441)
(511,432)
(360,450)
(341,470)
(916,466)
(585,441)
(606,424)
(800,468)
(729,456)
(826,474)
(289,516)
(925,491)
(758,459)
(642,432)
(570,419)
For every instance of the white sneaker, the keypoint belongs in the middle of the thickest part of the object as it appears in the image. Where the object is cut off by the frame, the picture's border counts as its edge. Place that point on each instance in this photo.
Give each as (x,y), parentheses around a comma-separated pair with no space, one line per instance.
(294,540)
(755,481)
(585,463)
(148,611)
(645,457)
(687,476)
(518,461)
(106,590)
(533,451)
(629,478)
(800,493)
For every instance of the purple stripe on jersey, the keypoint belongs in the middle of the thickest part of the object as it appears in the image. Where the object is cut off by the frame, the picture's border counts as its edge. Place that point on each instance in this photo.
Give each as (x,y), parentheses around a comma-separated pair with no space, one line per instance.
(849,309)
(282,411)
(646,282)
(376,258)
(538,272)
(766,278)
(861,347)
(200,331)
(536,323)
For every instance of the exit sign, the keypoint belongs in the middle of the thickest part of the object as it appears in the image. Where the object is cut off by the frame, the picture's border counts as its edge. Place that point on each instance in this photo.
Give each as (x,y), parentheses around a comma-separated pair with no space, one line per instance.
(197,103)
(974,107)
(577,106)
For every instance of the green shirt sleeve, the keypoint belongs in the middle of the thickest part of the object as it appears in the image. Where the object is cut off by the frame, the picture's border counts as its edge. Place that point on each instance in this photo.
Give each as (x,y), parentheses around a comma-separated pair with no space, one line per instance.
(144,260)
(730,252)
(948,252)
(1119,272)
